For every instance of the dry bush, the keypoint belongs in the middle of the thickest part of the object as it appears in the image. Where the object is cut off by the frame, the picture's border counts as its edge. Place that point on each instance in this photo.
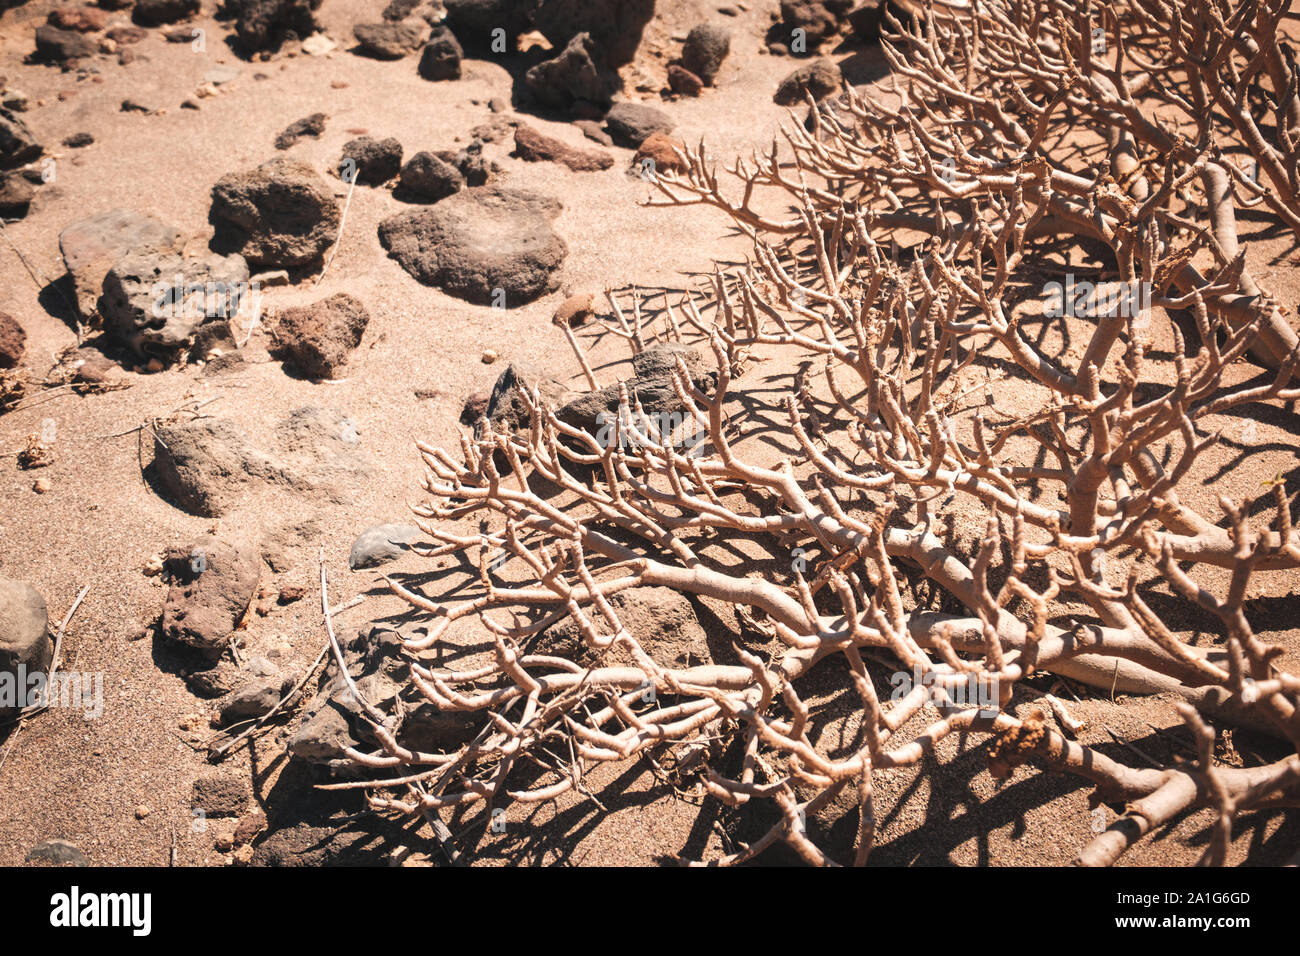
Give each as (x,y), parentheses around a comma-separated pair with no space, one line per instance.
(980,499)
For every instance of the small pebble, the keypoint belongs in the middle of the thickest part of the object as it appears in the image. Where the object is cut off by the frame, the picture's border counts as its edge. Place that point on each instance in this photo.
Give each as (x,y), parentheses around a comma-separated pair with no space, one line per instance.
(41,486)
(490,356)
(142,811)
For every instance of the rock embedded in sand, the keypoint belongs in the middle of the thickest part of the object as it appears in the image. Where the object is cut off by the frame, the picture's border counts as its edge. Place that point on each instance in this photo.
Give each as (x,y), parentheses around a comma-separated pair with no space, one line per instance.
(576,74)
(25,647)
(391,41)
(427,178)
(380,544)
(281,214)
(12,341)
(156,302)
(212,584)
(312,126)
(56,853)
(154,13)
(55,46)
(442,55)
(706,47)
(205,465)
(264,24)
(537,147)
(615,25)
(652,383)
(506,409)
(17,144)
(490,246)
(253,698)
(91,247)
(630,124)
(821,78)
(318,338)
(374,161)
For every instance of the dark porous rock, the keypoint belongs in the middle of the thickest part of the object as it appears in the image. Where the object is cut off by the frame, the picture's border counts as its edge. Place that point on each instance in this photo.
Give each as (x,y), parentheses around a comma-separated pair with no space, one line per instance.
(205,466)
(17,144)
(280,215)
(683,82)
(215,796)
(16,195)
(56,853)
(12,341)
(537,147)
(78,140)
(312,126)
(615,25)
(318,338)
(474,167)
(819,20)
(265,24)
(474,408)
(373,161)
(381,544)
(153,13)
(821,78)
(54,45)
(81,19)
(477,22)
(706,47)
(630,124)
(25,646)
(661,620)
(427,178)
(490,246)
(154,303)
(651,382)
(212,583)
(577,74)
(442,55)
(91,247)
(391,41)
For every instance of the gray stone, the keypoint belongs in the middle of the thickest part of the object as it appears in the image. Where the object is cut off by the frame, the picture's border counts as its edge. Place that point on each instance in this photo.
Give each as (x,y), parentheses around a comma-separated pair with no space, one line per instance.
(206,465)
(25,646)
(281,214)
(54,45)
(91,247)
(651,383)
(253,698)
(488,246)
(631,124)
(381,544)
(57,853)
(391,41)
(156,302)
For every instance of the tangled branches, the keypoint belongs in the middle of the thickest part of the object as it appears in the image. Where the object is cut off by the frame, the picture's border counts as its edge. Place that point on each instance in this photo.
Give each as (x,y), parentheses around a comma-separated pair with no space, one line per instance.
(900,241)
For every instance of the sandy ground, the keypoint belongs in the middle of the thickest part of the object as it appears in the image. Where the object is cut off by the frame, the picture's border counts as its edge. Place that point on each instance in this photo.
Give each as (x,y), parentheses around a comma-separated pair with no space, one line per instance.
(82,780)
